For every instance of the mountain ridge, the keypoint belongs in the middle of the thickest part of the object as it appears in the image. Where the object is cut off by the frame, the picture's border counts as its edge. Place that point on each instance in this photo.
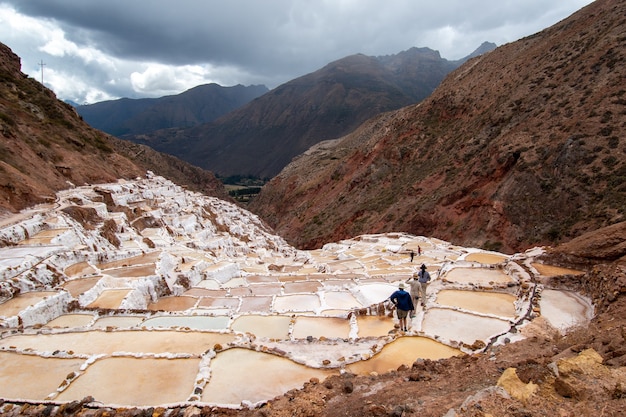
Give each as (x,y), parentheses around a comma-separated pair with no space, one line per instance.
(515,148)
(200,104)
(46,147)
(325,104)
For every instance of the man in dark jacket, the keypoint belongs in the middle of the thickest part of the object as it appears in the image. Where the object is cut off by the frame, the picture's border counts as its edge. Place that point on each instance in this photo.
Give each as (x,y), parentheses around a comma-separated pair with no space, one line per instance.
(402,300)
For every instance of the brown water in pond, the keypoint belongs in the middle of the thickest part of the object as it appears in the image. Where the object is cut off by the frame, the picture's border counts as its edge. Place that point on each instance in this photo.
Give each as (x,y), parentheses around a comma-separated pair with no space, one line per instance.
(485,258)
(110,299)
(137,271)
(403,351)
(498,304)
(33,377)
(43,238)
(180,303)
(71,320)
(374,326)
(255,304)
(271,327)
(96,342)
(79,269)
(79,286)
(329,327)
(233,382)
(480,276)
(554,271)
(15,305)
(135,381)
(147,258)
(123,322)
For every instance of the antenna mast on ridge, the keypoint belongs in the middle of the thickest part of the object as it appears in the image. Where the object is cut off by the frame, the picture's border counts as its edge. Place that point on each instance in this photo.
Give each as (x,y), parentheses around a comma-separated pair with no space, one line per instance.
(41,64)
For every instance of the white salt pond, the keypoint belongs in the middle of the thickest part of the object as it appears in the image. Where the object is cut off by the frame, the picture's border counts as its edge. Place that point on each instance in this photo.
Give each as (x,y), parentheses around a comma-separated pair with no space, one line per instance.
(206,306)
(565,309)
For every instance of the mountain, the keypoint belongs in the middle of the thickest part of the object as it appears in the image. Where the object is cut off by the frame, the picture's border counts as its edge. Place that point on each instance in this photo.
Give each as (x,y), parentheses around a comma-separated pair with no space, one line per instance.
(260,138)
(198,105)
(518,147)
(46,147)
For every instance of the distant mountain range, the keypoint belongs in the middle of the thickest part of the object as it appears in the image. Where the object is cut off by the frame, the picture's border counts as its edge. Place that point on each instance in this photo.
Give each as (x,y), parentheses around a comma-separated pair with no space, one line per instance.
(262,136)
(198,105)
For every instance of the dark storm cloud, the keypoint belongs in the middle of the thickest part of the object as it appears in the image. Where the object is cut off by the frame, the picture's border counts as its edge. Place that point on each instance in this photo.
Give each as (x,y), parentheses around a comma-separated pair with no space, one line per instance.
(153,47)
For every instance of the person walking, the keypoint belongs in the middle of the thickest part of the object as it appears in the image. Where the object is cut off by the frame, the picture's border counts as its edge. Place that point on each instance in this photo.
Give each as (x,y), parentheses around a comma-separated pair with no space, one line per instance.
(414,290)
(424,278)
(402,300)
(412,255)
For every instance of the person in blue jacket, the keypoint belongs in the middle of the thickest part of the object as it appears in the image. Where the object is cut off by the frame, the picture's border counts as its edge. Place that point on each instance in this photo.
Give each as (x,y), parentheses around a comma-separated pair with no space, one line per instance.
(402,300)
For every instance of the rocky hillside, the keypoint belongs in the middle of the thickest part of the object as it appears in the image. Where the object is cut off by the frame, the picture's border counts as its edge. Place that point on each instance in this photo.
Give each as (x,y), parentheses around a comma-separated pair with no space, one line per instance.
(260,138)
(201,104)
(518,147)
(45,147)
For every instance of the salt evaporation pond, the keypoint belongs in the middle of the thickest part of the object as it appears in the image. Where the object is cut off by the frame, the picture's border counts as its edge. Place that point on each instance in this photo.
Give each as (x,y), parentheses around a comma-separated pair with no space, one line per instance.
(200,292)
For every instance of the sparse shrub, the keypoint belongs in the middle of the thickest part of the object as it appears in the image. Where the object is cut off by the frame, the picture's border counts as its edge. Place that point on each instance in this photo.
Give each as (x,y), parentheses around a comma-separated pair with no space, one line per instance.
(610,161)
(492,246)
(613,142)
(7,119)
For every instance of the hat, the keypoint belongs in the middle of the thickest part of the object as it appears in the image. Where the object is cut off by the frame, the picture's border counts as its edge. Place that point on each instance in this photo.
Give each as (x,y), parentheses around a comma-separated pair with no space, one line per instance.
(401,286)
(423,266)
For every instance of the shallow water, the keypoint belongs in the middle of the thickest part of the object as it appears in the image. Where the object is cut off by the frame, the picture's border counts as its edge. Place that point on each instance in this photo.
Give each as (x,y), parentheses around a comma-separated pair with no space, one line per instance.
(553,271)
(477,276)
(329,327)
(33,377)
(271,327)
(138,341)
(241,374)
(15,305)
(403,351)
(485,258)
(110,299)
(374,326)
(296,302)
(498,304)
(191,322)
(79,286)
(564,309)
(71,320)
(135,381)
(459,326)
(123,322)
(180,303)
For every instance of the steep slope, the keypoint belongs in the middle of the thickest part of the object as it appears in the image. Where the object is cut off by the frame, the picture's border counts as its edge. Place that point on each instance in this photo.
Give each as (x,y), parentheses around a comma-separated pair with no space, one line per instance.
(518,147)
(201,104)
(45,147)
(260,138)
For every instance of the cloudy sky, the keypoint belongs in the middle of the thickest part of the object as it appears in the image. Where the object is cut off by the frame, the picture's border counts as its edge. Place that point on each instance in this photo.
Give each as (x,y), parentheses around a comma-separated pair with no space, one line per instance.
(95,50)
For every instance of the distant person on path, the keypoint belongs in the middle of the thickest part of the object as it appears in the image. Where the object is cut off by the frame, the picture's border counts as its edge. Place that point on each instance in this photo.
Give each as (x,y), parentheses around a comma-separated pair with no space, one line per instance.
(414,290)
(424,278)
(412,254)
(402,300)
(419,251)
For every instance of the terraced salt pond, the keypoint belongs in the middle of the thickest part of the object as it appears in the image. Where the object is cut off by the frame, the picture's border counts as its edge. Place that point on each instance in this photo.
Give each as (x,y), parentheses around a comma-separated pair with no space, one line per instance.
(181,313)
